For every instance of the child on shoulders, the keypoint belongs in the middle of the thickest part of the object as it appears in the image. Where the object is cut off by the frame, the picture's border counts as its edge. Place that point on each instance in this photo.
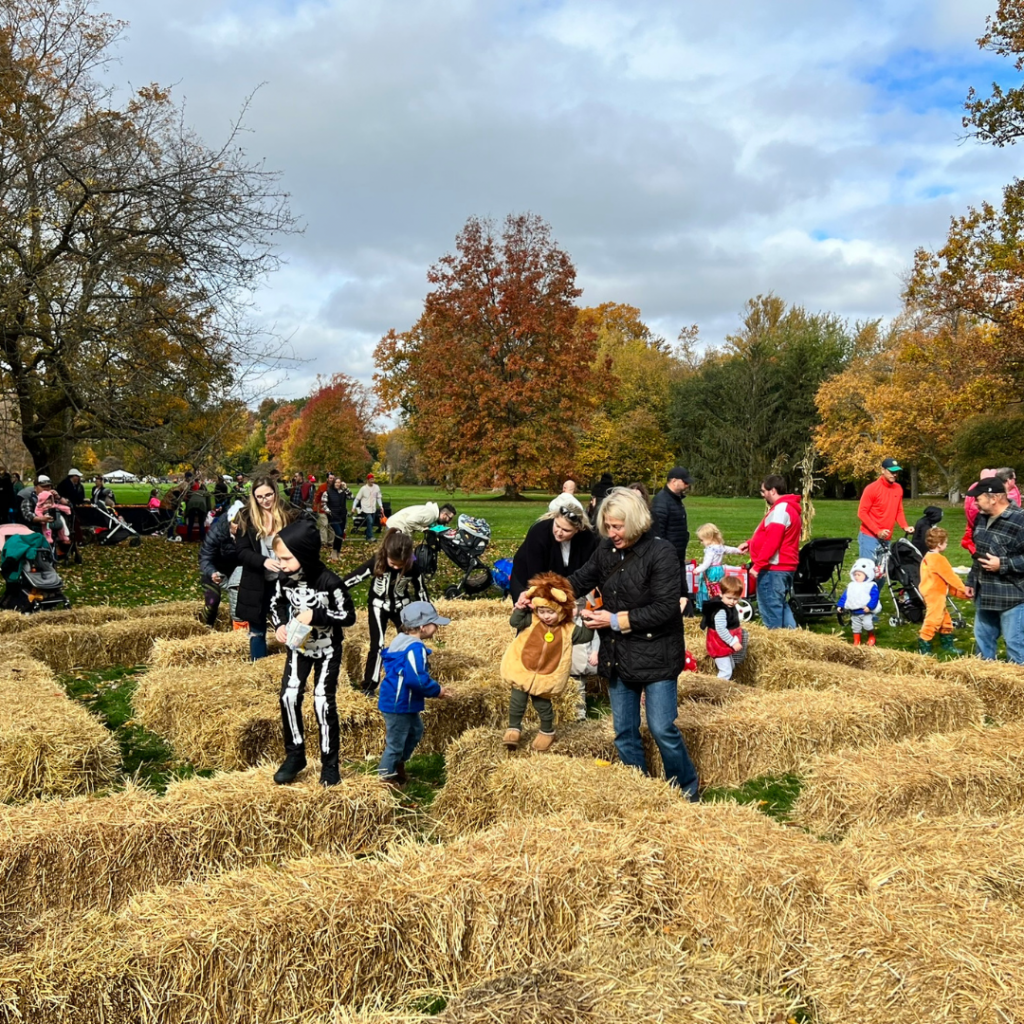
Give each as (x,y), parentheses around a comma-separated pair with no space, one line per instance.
(725,636)
(537,663)
(861,600)
(405,684)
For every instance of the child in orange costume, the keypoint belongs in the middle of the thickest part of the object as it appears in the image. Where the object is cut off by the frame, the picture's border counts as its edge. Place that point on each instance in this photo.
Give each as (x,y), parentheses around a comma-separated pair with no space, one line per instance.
(937,581)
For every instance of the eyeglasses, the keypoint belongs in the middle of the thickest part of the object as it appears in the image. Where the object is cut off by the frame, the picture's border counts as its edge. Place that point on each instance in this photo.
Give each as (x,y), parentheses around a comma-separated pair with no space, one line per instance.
(571,514)
(269,496)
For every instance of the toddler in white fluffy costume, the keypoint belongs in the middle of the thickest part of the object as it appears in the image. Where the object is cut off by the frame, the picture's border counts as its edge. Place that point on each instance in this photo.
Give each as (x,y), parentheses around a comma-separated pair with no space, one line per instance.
(861,600)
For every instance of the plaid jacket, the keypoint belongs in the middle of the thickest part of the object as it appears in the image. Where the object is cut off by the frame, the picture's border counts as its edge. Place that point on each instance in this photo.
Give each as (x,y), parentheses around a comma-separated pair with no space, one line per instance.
(1002,536)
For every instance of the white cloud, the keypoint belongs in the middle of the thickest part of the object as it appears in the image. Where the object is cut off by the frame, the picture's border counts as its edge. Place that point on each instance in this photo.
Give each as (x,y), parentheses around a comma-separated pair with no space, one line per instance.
(688,155)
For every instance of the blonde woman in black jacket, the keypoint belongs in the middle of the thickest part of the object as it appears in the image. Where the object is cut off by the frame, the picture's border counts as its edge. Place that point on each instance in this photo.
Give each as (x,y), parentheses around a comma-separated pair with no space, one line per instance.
(642,643)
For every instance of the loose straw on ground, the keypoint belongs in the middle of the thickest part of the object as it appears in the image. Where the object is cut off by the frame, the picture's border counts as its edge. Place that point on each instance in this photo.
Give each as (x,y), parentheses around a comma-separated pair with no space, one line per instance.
(277,943)
(64,857)
(976,771)
(49,745)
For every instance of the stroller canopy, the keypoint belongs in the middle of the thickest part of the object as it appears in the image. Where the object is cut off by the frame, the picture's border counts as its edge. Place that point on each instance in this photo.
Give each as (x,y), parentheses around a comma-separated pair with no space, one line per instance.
(18,549)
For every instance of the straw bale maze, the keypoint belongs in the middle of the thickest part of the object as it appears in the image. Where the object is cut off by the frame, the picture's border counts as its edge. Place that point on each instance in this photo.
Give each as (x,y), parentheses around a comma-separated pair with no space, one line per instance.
(555,888)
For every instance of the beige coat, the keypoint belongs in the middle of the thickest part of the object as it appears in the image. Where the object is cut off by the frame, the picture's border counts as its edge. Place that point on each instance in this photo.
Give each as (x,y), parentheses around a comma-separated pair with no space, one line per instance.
(538,665)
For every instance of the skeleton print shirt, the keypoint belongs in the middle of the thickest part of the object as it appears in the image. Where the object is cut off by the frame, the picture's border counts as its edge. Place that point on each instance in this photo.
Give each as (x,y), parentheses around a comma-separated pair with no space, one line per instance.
(394,590)
(328,599)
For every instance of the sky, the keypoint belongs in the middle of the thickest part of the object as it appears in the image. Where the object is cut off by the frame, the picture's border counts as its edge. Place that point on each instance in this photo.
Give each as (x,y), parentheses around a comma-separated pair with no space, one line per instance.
(688,155)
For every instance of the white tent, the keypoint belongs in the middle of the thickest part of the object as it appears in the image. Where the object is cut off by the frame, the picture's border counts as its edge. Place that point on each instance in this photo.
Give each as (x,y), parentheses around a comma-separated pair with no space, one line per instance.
(120,476)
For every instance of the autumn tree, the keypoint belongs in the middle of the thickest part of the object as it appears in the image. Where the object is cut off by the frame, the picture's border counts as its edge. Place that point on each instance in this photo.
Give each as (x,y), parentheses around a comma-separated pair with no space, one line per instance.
(127,247)
(747,409)
(493,376)
(329,433)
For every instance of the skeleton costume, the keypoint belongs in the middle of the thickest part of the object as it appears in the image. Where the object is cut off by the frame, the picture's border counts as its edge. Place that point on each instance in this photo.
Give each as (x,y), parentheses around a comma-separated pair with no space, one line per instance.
(314,587)
(389,594)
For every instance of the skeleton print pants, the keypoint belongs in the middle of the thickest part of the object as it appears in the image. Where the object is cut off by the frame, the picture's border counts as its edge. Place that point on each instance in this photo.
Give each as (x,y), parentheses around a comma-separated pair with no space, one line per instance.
(325,687)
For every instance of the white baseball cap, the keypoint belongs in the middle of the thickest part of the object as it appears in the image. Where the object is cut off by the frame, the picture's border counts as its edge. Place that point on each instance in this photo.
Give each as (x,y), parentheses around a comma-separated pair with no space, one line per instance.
(75,472)
(42,479)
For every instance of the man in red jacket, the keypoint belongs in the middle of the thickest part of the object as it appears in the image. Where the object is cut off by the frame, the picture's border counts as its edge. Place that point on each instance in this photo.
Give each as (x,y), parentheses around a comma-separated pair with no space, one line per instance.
(774,553)
(880,509)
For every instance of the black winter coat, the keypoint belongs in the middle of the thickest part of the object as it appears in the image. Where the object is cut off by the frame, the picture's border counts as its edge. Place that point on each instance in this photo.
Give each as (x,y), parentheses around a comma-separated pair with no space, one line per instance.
(669,515)
(254,588)
(540,552)
(218,552)
(72,493)
(644,581)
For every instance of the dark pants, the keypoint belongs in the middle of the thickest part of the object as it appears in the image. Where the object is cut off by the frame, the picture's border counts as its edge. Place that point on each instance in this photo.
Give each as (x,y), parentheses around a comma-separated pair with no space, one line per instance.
(195,516)
(379,617)
(211,599)
(542,705)
(338,526)
(297,670)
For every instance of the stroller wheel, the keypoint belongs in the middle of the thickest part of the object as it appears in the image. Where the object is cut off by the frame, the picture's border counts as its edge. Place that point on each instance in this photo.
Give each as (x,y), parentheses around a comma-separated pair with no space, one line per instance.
(895,620)
(451,593)
(745,610)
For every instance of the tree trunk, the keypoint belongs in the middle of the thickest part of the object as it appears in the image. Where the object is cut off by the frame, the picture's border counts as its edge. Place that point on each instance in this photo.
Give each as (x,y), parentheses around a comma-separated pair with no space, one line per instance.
(914,482)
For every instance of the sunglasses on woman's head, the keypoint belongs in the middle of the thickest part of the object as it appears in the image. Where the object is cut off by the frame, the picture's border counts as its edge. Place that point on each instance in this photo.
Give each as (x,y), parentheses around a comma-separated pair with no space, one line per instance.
(573,516)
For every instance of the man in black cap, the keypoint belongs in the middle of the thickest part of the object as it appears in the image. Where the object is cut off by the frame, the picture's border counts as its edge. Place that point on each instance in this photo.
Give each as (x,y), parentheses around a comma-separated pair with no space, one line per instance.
(996,579)
(669,517)
(880,509)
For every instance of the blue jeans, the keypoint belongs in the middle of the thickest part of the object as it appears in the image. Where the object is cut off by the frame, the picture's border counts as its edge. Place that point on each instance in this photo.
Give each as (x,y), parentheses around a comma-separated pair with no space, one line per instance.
(773,587)
(662,704)
(404,731)
(1010,624)
(867,546)
(370,516)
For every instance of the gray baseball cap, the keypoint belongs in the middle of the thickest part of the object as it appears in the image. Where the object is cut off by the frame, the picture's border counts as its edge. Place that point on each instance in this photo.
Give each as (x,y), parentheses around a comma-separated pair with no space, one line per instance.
(422,613)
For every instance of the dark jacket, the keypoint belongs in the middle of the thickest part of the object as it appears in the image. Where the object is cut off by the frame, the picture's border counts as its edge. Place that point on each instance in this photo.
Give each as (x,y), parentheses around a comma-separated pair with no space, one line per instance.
(253,588)
(540,552)
(669,515)
(395,589)
(643,580)
(1002,535)
(932,517)
(218,553)
(335,499)
(72,493)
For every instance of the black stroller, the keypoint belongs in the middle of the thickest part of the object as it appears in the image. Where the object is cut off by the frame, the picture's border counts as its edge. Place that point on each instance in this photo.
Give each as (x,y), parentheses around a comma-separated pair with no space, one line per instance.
(359,518)
(463,546)
(817,578)
(115,528)
(899,563)
(31,583)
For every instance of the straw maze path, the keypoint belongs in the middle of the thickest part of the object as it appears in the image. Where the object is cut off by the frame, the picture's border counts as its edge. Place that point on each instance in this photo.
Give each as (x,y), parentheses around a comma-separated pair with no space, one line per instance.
(533,888)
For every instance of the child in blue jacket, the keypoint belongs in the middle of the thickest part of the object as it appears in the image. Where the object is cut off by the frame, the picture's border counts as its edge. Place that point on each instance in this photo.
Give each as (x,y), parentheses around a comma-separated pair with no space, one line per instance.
(406,682)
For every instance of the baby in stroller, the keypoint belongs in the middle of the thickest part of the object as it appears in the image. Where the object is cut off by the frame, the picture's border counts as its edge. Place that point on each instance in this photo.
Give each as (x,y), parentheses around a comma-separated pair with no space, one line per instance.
(50,503)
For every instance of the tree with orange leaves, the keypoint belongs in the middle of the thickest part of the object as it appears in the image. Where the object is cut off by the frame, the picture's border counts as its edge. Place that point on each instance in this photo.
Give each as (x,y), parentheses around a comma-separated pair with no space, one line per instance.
(329,433)
(493,376)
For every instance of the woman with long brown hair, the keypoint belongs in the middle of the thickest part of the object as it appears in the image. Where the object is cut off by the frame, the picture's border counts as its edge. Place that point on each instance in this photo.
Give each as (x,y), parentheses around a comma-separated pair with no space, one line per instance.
(396,581)
(258,524)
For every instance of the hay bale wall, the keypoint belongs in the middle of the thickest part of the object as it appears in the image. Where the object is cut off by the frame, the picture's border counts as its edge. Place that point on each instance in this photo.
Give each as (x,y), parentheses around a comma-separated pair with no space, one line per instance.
(277,944)
(999,686)
(49,745)
(100,615)
(977,771)
(64,857)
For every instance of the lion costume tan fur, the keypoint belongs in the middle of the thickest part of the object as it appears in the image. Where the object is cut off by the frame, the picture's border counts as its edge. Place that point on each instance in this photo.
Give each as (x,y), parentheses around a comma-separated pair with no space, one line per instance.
(539,658)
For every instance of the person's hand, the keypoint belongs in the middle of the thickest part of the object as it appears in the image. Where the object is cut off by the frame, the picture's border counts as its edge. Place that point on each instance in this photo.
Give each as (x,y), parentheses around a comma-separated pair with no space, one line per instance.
(281,633)
(596,618)
(969,592)
(737,646)
(990,562)
(218,577)
(306,616)
(271,565)
(683,602)
(523,601)
(592,658)
(744,547)
(445,692)
(885,534)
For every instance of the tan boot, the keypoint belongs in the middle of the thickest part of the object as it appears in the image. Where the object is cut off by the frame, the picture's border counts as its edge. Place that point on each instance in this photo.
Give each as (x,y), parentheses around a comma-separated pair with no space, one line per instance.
(543,740)
(512,738)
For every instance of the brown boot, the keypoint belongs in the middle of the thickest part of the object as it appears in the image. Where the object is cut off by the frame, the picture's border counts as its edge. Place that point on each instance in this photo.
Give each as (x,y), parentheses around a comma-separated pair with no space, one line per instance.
(400,773)
(512,738)
(543,740)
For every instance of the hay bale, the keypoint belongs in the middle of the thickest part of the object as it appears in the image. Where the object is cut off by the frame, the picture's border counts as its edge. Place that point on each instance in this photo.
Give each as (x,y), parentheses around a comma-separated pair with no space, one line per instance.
(706,689)
(121,642)
(276,944)
(883,959)
(478,608)
(959,853)
(774,733)
(468,801)
(49,745)
(205,649)
(976,771)
(484,637)
(788,673)
(64,857)
(100,615)
(1000,686)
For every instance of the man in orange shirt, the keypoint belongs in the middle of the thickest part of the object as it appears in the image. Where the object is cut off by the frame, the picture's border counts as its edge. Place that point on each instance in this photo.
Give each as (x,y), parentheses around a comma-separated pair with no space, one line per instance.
(880,509)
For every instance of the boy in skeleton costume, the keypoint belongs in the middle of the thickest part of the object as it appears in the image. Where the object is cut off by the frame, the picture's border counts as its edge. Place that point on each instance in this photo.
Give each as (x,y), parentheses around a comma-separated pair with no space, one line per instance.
(309,593)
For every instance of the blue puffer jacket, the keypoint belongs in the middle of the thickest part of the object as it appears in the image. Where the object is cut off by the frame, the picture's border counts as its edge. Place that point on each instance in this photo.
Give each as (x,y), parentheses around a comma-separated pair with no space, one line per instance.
(406,677)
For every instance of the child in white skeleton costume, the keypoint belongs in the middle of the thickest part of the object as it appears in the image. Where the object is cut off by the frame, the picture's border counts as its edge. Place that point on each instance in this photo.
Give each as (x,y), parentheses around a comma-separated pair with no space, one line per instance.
(307,591)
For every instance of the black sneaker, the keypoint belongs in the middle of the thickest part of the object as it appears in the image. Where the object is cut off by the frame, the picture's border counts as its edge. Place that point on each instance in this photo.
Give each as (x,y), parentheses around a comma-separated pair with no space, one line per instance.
(329,774)
(290,767)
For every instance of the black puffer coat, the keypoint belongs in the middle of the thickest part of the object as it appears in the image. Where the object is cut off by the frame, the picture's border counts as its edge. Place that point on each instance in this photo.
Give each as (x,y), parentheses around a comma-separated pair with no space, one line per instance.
(540,552)
(254,588)
(218,553)
(642,580)
(669,515)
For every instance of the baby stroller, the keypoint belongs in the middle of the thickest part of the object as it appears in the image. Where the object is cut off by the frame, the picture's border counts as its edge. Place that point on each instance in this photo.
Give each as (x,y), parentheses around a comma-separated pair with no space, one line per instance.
(115,530)
(817,578)
(359,518)
(463,546)
(899,563)
(31,582)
